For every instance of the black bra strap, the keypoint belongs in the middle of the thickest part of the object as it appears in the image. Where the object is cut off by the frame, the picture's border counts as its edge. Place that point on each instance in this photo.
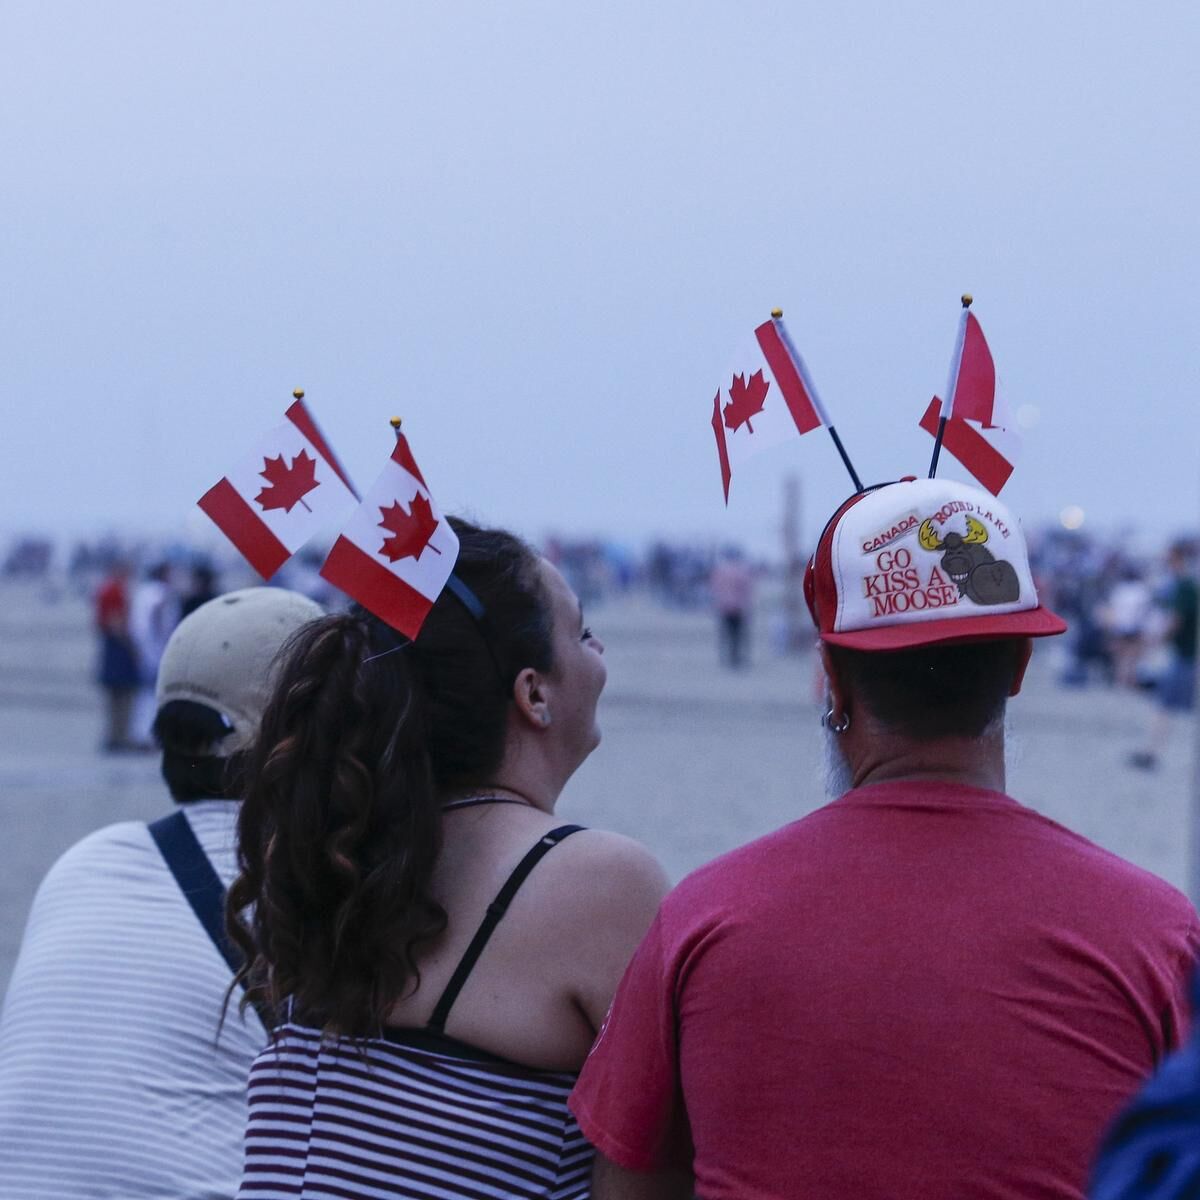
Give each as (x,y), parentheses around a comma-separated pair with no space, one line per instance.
(495,911)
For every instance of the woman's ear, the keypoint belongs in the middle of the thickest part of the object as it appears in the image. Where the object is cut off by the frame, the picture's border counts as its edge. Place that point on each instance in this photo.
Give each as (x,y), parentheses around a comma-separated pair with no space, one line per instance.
(531,699)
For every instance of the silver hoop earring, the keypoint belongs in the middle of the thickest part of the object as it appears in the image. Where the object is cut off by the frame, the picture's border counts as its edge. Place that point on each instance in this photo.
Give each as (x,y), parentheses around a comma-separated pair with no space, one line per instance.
(839,726)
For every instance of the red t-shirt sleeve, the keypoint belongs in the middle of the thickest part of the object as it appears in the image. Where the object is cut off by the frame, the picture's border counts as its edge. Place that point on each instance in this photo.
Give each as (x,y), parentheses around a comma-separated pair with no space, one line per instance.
(628,1100)
(1180,1019)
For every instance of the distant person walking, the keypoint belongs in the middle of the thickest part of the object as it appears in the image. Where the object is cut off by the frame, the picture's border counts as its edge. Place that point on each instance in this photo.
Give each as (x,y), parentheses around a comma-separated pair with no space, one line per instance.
(732,588)
(1176,689)
(114,1081)
(118,672)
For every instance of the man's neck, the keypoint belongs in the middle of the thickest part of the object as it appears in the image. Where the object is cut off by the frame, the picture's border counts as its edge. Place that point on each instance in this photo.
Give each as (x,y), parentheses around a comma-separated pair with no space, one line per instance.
(969,762)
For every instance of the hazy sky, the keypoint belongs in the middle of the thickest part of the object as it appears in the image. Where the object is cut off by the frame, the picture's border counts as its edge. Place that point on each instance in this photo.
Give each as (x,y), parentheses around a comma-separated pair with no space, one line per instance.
(538,231)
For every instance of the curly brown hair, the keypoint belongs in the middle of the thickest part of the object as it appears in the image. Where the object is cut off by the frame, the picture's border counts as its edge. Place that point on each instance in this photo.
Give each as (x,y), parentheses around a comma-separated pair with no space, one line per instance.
(340,827)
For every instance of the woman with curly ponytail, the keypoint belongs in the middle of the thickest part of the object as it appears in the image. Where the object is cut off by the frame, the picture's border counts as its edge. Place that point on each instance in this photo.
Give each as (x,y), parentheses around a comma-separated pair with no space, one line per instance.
(434,993)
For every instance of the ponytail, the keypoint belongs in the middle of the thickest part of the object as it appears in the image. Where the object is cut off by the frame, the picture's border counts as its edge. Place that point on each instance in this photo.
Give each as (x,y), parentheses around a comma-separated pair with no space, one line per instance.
(338,832)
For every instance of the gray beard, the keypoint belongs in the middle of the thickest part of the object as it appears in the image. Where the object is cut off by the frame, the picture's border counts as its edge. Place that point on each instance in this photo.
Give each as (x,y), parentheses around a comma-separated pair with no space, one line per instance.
(1014,747)
(838,780)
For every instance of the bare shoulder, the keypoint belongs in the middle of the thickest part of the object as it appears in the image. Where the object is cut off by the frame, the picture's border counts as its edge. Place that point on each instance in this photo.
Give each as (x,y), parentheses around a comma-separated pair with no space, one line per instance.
(603,868)
(602,884)
(604,890)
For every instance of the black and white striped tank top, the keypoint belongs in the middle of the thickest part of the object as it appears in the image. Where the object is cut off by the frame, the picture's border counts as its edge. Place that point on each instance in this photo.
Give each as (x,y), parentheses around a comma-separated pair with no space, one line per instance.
(412,1114)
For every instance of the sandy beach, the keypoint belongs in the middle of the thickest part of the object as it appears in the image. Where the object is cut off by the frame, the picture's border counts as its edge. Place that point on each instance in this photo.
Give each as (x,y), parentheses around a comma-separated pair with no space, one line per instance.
(695,759)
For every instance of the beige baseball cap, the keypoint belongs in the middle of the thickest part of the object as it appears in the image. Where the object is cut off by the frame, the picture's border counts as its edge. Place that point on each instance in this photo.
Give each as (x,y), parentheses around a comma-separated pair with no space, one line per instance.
(222,655)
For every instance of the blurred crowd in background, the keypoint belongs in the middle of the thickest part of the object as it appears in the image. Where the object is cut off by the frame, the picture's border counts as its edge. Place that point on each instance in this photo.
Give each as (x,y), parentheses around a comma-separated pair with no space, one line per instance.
(1132,612)
(1118,604)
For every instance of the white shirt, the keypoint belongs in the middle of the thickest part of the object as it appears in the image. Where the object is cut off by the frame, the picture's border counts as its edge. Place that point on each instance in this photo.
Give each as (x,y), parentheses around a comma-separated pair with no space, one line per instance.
(1129,605)
(153,615)
(113,1082)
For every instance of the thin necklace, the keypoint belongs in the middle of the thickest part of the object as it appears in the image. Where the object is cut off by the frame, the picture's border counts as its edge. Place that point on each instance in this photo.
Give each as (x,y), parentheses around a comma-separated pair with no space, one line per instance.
(472,801)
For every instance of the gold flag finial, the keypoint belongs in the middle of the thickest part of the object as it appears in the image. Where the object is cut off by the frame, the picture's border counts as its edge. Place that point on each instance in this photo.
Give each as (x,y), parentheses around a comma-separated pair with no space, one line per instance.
(395,423)
(777,313)
(966,299)
(298,393)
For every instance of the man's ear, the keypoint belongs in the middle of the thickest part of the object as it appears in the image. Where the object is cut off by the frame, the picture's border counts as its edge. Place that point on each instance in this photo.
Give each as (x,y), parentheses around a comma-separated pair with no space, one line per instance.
(1024,654)
(838,696)
(531,699)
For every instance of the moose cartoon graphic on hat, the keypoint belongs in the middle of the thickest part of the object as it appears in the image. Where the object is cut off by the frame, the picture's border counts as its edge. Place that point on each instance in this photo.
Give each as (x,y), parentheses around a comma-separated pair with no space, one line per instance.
(979,576)
(924,561)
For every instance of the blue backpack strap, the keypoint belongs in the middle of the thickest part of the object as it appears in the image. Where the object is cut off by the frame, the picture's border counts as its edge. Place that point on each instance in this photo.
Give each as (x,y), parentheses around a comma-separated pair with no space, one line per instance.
(201,887)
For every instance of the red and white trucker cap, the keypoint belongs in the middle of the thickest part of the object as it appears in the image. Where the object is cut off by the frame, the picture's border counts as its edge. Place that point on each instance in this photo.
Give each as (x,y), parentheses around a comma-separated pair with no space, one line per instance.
(920,562)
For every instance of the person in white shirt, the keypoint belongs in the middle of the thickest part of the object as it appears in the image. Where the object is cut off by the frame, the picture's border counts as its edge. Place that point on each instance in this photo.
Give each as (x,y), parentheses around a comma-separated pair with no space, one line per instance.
(1127,614)
(118,1076)
(154,610)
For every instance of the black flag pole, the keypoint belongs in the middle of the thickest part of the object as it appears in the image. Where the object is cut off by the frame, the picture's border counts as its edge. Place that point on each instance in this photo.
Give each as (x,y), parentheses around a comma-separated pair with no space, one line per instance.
(837,441)
(810,387)
(951,385)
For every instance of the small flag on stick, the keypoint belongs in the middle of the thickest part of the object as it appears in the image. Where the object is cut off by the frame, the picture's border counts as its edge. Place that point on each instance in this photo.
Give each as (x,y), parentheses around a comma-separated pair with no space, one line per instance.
(281,493)
(975,388)
(971,386)
(971,423)
(769,398)
(396,552)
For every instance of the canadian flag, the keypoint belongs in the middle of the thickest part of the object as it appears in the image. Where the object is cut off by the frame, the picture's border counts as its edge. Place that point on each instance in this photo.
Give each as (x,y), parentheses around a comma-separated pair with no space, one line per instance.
(974,394)
(767,398)
(979,431)
(989,454)
(281,493)
(396,552)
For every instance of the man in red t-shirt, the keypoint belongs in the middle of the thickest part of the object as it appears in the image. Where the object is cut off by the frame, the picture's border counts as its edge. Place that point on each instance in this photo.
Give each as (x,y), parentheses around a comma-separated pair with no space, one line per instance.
(923,989)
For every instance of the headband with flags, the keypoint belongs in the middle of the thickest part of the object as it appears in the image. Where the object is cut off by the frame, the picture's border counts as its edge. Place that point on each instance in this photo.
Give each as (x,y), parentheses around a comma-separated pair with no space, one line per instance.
(395,553)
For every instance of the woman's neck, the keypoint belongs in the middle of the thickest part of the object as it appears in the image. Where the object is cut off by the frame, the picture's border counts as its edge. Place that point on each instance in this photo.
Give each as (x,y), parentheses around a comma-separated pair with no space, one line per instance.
(504,793)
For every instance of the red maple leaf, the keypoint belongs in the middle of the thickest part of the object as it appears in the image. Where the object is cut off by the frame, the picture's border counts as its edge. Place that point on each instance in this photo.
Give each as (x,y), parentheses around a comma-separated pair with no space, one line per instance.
(745,401)
(409,531)
(287,486)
